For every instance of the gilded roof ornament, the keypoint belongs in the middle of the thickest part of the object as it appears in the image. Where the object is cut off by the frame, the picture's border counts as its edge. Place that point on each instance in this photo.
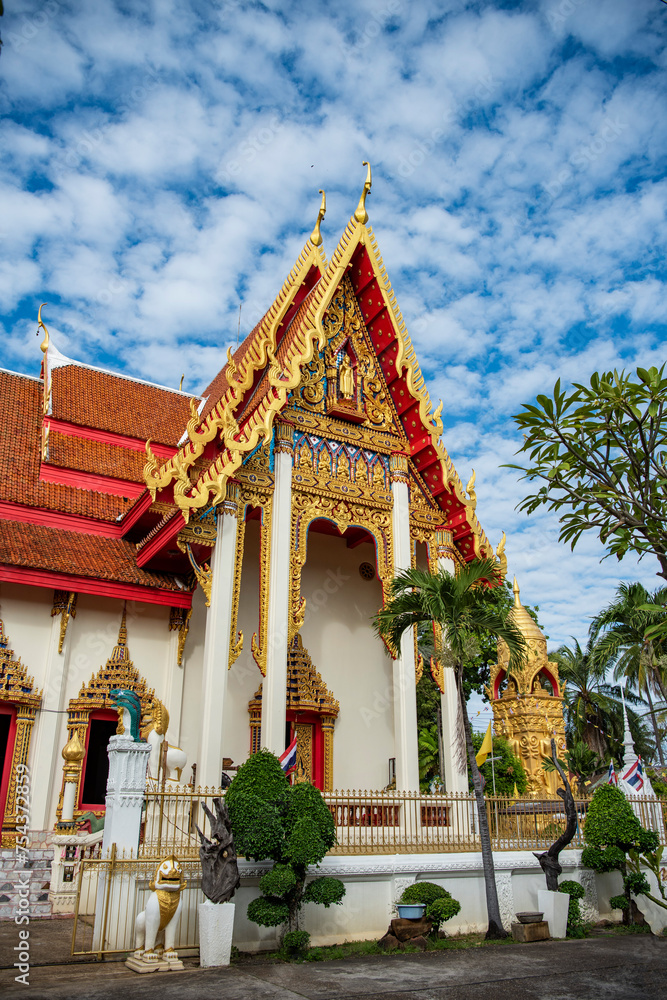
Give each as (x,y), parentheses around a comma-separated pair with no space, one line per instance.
(361,215)
(316,235)
(45,343)
(73,750)
(470,489)
(523,621)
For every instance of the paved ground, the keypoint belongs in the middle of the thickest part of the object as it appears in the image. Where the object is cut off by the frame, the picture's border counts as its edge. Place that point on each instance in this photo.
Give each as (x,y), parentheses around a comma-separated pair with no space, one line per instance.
(623,967)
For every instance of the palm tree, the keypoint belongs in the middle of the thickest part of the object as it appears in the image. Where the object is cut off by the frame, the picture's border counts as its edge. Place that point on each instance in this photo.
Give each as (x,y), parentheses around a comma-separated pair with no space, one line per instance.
(619,632)
(463,607)
(593,707)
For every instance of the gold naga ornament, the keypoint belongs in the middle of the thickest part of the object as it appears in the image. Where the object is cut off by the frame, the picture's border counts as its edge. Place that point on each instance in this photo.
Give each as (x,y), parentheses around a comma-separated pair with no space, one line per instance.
(529,711)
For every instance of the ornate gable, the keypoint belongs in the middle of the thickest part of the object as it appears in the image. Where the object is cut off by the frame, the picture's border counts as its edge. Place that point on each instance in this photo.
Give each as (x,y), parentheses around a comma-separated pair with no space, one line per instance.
(344,379)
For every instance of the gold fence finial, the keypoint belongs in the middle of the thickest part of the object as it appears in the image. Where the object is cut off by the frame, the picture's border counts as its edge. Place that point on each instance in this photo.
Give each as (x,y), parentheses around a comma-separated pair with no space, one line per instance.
(316,235)
(361,215)
(40,325)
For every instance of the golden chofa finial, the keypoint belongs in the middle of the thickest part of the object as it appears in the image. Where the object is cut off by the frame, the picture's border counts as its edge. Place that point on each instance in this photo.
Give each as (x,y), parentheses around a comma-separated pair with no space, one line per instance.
(316,235)
(516,592)
(45,343)
(361,215)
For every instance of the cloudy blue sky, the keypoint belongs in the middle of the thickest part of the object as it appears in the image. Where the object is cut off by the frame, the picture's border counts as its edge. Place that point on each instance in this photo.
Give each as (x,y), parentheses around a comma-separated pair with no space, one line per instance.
(162,161)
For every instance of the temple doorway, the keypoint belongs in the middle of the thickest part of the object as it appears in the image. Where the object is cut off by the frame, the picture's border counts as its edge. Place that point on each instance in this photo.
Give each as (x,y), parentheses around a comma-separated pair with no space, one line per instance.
(7,736)
(101,727)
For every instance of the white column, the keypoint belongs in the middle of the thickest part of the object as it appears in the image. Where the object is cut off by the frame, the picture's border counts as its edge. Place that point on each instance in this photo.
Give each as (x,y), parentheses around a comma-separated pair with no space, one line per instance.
(173,686)
(50,729)
(126,787)
(455,780)
(274,690)
(216,644)
(405,697)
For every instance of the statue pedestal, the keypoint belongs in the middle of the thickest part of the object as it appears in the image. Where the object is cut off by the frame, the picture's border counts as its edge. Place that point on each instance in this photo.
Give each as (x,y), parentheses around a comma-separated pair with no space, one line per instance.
(216,927)
(554,906)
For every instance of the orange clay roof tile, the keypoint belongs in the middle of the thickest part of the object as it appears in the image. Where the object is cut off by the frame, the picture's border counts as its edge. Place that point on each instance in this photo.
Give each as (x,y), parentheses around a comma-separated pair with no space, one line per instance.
(108,402)
(20,425)
(68,452)
(39,547)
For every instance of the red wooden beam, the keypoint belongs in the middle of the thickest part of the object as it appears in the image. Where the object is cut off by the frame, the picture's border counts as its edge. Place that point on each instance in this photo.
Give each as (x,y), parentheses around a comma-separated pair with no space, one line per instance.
(90,585)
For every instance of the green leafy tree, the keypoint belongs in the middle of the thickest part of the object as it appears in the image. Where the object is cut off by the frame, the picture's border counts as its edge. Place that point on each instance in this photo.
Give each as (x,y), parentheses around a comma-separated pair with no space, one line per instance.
(612,833)
(599,453)
(461,606)
(290,825)
(508,769)
(619,634)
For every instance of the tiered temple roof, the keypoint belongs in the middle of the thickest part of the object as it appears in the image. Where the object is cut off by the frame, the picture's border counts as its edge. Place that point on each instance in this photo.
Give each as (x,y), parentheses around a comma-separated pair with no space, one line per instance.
(77,503)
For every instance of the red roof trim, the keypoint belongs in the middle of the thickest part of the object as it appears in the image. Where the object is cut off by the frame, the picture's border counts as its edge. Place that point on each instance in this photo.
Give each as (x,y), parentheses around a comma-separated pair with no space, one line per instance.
(101,588)
(161,538)
(107,437)
(90,481)
(54,519)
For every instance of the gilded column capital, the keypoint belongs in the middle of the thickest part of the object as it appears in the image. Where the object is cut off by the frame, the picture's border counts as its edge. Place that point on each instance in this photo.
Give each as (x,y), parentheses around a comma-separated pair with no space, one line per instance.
(444,543)
(230,505)
(398,467)
(284,439)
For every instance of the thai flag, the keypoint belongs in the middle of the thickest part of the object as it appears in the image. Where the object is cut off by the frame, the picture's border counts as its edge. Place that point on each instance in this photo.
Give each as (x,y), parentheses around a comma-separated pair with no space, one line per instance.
(612,777)
(635,775)
(288,759)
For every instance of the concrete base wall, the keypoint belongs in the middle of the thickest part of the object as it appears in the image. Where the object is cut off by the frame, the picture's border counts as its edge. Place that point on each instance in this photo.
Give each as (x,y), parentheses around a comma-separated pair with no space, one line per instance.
(373,884)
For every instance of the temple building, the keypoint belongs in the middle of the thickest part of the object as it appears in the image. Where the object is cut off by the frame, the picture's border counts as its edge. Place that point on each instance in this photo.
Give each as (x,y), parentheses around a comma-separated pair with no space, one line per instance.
(223,555)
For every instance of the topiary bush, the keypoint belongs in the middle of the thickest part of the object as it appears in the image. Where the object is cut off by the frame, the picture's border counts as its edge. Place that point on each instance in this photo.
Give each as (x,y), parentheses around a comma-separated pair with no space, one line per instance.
(575,924)
(295,945)
(290,825)
(613,836)
(440,904)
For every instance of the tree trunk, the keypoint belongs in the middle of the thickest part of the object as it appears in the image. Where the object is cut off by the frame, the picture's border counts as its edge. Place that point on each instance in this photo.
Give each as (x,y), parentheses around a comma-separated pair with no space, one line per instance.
(658,741)
(495,929)
(441,750)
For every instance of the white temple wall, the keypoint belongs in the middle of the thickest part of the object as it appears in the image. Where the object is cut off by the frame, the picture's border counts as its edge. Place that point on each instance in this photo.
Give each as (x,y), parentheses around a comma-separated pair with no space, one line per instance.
(193,658)
(351,660)
(244,677)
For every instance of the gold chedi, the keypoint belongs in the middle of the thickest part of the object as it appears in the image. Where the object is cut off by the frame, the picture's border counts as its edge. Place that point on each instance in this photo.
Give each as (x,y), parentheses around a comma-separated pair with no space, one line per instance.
(529,710)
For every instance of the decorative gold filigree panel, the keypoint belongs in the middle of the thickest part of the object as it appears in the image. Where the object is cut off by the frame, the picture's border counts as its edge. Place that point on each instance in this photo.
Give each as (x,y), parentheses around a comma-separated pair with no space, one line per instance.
(16,688)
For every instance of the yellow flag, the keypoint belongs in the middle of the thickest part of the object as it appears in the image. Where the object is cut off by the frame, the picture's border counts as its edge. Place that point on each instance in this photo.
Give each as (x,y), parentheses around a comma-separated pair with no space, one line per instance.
(486,747)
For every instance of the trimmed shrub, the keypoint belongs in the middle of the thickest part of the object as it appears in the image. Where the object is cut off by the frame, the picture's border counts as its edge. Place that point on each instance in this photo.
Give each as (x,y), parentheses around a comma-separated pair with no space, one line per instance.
(325,890)
(440,904)
(290,825)
(295,944)
(575,925)
(614,837)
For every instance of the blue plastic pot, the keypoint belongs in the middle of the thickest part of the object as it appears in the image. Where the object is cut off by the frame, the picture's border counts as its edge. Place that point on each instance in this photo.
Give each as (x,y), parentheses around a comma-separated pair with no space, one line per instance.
(411,911)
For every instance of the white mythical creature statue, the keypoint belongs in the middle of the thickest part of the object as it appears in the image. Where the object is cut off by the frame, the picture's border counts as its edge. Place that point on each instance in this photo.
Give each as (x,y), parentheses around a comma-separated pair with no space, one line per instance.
(154,730)
(160,916)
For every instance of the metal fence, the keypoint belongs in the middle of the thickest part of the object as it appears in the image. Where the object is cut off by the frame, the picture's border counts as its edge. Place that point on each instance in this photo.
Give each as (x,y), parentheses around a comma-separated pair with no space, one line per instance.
(369,822)
(112,891)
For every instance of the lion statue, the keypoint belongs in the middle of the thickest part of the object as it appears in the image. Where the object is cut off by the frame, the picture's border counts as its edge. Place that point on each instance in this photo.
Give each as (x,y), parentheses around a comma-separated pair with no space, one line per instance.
(160,918)
(154,730)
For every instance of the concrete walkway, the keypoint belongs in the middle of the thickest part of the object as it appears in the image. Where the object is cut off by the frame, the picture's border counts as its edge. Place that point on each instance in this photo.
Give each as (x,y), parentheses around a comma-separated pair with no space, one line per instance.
(618,967)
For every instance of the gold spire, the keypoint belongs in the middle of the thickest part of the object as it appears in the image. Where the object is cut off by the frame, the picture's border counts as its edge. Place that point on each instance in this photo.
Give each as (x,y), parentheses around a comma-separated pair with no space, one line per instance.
(316,235)
(73,751)
(361,215)
(45,343)
(120,651)
(522,619)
